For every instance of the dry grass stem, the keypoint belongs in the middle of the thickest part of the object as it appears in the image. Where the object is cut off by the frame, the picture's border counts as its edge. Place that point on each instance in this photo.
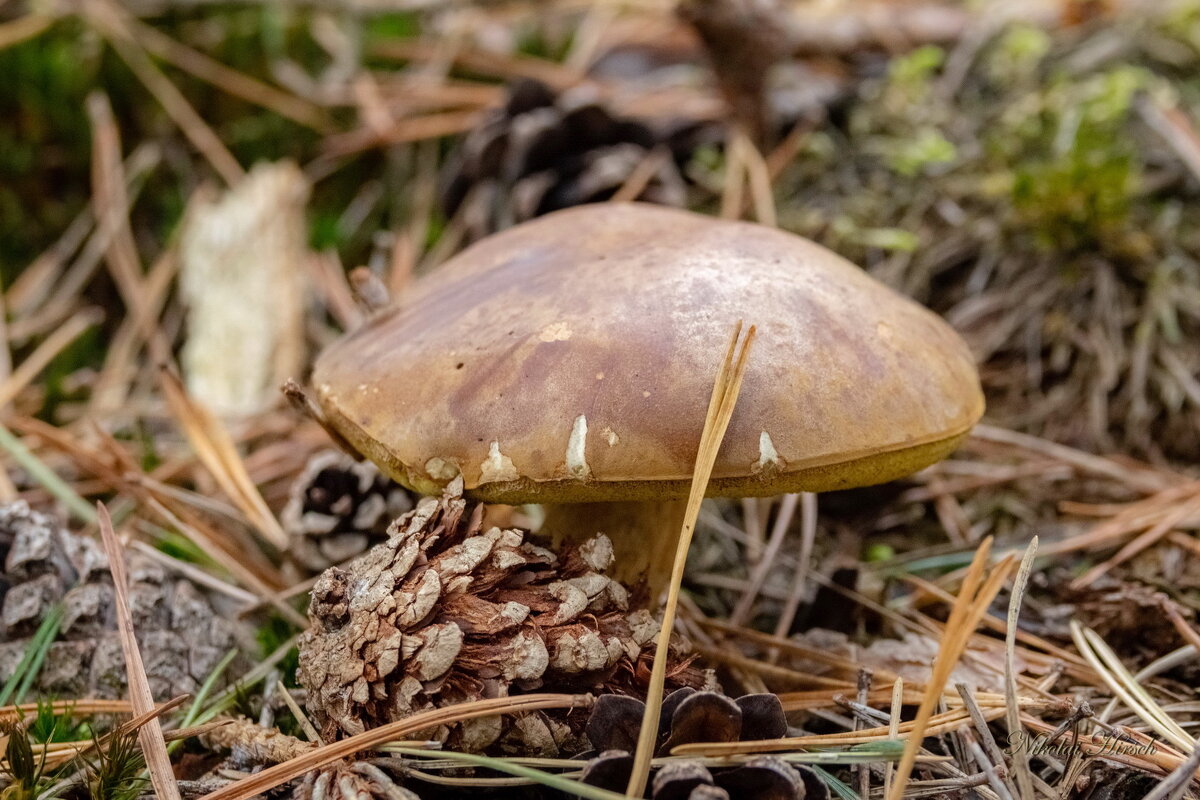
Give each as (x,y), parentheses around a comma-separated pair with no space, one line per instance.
(108,18)
(970,606)
(23,28)
(1020,756)
(142,701)
(1127,687)
(217,451)
(720,410)
(46,351)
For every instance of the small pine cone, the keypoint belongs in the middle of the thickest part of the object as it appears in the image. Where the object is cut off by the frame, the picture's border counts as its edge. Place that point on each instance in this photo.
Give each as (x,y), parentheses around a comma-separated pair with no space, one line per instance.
(360,780)
(542,152)
(339,507)
(444,612)
(762,778)
(182,638)
(686,716)
(251,745)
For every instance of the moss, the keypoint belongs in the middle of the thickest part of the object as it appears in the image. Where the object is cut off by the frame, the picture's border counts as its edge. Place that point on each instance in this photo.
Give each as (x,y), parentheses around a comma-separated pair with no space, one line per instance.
(1076,169)
(1033,186)
(926,148)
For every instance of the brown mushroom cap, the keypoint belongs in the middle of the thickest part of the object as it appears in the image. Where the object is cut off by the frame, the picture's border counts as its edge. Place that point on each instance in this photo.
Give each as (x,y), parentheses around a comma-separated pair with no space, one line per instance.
(571,359)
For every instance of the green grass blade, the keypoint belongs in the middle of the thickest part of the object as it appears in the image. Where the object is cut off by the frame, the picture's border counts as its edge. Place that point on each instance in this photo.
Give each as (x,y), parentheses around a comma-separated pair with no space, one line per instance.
(870,752)
(260,671)
(574,788)
(206,689)
(197,707)
(55,485)
(840,789)
(22,678)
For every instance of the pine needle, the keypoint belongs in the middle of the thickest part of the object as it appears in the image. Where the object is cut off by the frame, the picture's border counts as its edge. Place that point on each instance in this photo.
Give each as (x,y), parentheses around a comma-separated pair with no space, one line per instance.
(215,448)
(569,787)
(1020,755)
(24,28)
(35,653)
(1170,520)
(937,724)
(45,476)
(226,78)
(258,672)
(79,707)
(309,730)
(58,753)
(58,340)
(197,706)
(970,606)
(893,730)
(149,735)
(1177,782)
(758,175)
(837,787)
(1126,686)
(720,410)
(734,187)
(280,774)
(106,17)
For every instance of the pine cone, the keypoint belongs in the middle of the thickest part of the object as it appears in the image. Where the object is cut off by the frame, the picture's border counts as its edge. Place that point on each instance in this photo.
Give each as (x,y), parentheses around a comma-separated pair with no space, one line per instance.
(181,636)
(339,507)
(358,780)
(443,613)
(689,716)
(251,745)
(542,152)
(763,778)
(686,716)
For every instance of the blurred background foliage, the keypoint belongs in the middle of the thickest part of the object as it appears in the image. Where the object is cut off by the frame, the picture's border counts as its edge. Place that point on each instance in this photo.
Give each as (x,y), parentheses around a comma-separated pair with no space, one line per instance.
(949,168)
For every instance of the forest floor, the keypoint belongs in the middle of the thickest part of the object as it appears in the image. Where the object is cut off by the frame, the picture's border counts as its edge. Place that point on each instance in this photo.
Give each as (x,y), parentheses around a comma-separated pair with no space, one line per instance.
(1032,177)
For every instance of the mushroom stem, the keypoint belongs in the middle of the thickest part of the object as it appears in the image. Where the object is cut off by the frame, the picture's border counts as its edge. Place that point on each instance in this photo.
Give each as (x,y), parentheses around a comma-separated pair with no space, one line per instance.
(644,536)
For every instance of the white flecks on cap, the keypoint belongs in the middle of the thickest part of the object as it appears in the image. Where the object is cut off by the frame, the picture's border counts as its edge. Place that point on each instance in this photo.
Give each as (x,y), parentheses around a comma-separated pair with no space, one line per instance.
(610,436)
(497,466)
(576,449)
(441,469)
(555,332)
(767,456)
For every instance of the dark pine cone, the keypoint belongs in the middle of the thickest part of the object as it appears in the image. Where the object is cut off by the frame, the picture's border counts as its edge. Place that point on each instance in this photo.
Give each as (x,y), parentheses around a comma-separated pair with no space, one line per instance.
(444,612)
(762,778)
(690,716)
(359,780)
(339,507)
(542,152)
(182,637)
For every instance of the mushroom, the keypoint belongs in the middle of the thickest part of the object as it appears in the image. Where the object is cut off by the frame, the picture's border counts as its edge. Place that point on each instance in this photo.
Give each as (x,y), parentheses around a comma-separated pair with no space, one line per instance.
(569,361)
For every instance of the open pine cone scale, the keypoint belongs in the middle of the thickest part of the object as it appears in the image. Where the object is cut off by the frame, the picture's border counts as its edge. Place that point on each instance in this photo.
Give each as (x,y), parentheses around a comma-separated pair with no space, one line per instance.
(445,612)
